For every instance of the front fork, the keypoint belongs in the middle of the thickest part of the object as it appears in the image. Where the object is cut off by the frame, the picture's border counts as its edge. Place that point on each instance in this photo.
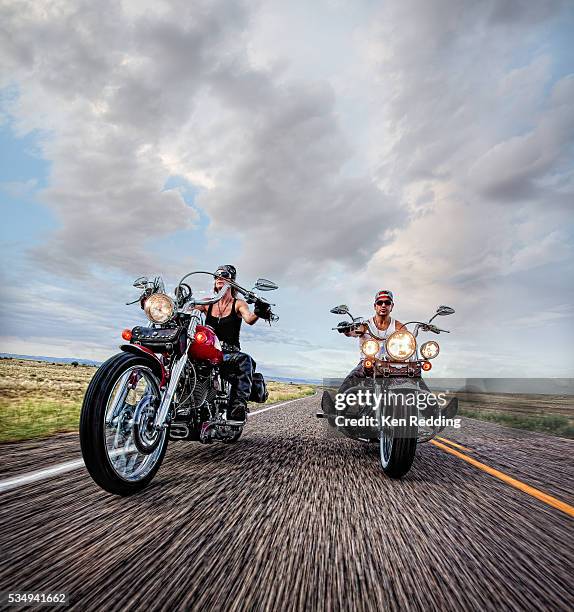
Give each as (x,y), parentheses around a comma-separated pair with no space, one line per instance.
(161,417)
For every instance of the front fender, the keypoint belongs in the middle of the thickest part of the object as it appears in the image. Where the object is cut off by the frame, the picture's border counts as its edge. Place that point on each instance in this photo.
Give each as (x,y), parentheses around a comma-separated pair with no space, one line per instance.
(155,364)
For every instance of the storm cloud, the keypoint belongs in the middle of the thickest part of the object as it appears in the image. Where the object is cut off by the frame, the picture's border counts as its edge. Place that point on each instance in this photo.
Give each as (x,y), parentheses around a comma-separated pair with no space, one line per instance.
(339,147)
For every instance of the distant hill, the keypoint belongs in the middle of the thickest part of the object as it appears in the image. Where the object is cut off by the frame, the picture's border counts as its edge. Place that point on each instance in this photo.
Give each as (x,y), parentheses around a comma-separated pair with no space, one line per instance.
(51,359)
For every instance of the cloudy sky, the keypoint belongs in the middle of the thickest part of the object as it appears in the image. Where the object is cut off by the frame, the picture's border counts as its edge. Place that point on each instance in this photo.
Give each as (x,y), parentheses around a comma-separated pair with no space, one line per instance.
(337,147)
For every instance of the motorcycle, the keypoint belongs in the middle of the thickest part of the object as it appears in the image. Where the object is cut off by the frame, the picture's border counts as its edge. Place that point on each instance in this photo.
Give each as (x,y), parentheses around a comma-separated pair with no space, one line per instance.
(398,409)
(165,384)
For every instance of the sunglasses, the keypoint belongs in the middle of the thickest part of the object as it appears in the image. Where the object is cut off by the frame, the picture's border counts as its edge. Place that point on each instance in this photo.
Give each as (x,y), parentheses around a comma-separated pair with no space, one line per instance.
(223,273)
(383,302)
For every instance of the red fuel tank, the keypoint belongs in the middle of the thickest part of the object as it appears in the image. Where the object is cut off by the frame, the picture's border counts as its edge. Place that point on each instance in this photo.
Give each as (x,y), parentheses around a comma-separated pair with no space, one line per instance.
(206,345)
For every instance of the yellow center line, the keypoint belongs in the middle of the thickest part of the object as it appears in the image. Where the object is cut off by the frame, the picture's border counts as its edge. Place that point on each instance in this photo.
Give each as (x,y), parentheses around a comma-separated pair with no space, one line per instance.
(517,484)
(451,443)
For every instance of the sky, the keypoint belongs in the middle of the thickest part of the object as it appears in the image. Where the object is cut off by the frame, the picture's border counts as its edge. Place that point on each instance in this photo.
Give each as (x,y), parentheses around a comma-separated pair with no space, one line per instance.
(337,147)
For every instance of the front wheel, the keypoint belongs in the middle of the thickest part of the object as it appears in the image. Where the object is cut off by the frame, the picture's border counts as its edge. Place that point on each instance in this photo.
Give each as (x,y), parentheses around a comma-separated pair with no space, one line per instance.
(119,405)
(397,440)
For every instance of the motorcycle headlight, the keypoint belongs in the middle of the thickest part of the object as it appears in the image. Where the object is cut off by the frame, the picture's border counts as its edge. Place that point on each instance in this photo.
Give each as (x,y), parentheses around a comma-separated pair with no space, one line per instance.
(370,348)
(401,345)
(430,349)
(159,308)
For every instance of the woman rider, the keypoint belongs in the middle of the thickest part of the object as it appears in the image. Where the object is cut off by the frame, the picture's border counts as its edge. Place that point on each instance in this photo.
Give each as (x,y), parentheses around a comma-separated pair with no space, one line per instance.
(225,317)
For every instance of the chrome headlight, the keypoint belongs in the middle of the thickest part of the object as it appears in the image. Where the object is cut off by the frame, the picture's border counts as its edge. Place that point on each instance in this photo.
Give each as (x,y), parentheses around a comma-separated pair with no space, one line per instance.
(370,348)
(159,308)
(401,345)
(430,349)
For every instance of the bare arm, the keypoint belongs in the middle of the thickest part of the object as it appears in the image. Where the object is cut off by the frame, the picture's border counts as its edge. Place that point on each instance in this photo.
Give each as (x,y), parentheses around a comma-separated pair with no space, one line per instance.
(243,309)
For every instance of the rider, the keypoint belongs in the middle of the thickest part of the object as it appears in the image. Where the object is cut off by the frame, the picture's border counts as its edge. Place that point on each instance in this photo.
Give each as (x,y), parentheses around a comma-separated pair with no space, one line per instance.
(381,323)
(225,317)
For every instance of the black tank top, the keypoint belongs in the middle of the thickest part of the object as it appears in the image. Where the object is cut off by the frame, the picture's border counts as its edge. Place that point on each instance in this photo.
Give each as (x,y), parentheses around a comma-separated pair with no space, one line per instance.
(227,328)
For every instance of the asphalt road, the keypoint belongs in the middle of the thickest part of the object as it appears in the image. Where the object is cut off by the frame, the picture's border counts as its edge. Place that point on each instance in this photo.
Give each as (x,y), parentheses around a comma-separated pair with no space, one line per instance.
(294,517)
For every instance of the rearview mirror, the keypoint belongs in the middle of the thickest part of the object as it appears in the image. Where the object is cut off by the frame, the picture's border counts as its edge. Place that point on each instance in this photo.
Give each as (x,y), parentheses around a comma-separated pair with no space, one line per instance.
(141,282)
(444,310)
(343,309)
(263,284)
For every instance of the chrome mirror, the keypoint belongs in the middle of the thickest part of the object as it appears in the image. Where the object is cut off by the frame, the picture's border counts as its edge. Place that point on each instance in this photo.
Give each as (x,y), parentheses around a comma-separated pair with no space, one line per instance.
(444,310)
(343,309)
(141,282)
(263,284)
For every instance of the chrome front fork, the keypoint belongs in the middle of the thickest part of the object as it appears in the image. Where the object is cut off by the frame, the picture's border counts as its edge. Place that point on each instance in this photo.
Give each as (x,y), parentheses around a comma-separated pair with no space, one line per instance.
(160,421)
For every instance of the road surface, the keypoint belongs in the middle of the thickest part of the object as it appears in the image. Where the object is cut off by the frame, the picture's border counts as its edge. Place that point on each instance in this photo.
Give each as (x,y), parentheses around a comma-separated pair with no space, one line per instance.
(294,517)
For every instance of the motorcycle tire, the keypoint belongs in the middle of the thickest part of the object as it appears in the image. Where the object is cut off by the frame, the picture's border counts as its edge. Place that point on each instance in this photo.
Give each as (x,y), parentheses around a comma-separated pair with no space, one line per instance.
(92,427)
(398,445)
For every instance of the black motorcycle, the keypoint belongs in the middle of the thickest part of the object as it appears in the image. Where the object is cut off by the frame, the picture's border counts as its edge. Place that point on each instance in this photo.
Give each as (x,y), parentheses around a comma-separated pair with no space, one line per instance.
(386,400)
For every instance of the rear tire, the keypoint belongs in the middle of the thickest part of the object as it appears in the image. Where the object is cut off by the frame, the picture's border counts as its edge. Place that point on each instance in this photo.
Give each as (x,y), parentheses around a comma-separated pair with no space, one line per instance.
(94,431)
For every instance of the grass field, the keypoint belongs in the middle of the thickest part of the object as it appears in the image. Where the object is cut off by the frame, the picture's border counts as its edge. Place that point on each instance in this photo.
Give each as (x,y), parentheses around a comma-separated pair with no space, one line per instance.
(39,398)
(552,414)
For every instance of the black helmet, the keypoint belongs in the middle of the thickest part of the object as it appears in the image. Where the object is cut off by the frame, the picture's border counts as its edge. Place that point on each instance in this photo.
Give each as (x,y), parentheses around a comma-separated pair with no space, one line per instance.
(226,271)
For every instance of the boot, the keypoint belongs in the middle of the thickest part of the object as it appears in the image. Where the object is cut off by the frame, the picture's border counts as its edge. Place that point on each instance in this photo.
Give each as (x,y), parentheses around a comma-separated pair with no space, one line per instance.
(237,411)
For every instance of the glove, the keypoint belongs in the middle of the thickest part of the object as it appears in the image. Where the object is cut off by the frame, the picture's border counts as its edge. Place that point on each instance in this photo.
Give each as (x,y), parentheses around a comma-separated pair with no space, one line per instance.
(262,310)
(343,327)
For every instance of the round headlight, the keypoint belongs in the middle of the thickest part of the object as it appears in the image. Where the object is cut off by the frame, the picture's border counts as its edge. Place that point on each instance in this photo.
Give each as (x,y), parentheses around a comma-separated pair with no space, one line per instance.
(401,345)
(159,308)
(370,348)
(430,349)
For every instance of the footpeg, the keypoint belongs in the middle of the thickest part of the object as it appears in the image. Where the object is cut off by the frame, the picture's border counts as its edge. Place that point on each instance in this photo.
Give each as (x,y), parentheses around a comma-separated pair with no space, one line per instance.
(178,431)
(320,415)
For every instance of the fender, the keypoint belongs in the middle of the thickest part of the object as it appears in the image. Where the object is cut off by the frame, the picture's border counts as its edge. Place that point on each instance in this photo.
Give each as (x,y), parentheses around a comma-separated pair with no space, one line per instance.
(155,364)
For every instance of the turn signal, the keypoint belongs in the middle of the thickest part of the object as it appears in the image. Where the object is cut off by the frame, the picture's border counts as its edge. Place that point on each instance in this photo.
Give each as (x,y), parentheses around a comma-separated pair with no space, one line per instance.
(200,337)
(368,364)
(127,334)
(427,365)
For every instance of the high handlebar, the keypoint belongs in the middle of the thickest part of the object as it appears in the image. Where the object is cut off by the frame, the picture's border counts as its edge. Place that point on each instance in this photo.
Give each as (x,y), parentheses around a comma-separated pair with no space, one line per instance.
(249,295)
(419,326)
(211,300)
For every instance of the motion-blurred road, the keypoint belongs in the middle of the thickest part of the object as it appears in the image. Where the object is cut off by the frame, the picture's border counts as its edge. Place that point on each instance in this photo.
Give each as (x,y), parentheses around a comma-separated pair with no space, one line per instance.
(294,517)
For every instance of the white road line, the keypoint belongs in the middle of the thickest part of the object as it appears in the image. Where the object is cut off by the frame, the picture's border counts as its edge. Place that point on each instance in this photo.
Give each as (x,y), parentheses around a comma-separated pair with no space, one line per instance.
(18,481)
(68,466)
(281,404)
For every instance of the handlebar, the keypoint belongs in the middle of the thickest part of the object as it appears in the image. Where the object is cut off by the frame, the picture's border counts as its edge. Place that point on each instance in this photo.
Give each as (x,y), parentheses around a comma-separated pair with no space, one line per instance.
(211,300)
(419,325)
(250,297)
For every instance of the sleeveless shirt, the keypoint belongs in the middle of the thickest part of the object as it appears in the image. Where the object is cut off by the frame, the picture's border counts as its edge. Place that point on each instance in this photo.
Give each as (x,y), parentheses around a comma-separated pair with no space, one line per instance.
(227,328)
(382,333)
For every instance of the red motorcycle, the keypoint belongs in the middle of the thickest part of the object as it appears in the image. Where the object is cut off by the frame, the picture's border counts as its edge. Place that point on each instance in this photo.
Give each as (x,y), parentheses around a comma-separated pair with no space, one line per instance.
(165,384)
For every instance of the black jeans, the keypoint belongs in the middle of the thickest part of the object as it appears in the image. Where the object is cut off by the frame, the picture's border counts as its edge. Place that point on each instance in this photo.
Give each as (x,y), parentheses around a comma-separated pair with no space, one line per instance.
(238,368)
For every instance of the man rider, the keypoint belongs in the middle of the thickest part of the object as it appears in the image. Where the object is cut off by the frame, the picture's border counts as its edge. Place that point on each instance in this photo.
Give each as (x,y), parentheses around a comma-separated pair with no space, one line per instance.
(384,325)
(225,317)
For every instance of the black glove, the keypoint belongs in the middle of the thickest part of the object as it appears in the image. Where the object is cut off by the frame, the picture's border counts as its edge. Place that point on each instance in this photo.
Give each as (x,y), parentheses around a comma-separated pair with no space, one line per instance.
(262,310)
(343,327)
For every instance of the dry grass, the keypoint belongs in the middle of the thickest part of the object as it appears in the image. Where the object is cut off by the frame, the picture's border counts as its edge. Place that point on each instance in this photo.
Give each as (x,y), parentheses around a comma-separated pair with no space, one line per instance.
(39,398)
(552,414)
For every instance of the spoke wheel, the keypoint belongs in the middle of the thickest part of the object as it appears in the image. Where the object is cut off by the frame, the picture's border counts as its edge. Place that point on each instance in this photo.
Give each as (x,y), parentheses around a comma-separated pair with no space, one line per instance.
(132,444)
(119,405)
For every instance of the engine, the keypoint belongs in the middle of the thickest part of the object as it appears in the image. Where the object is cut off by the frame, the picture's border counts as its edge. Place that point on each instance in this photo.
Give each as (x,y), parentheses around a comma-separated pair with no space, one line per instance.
(196,389)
